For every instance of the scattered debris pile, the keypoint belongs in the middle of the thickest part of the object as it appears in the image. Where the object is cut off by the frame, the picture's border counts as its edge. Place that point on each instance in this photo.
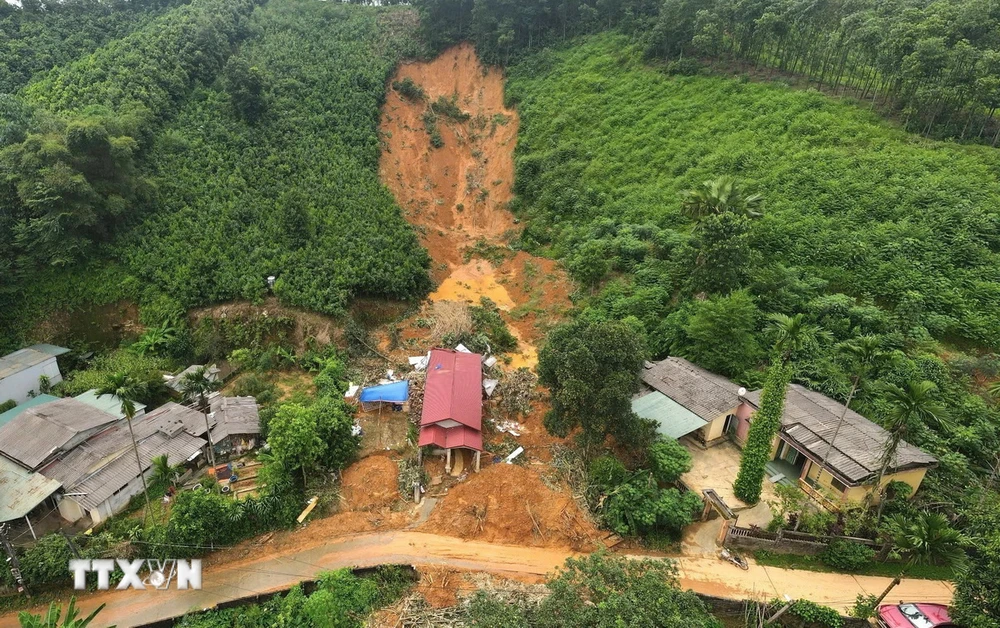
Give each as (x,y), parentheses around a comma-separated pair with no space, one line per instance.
(510,504)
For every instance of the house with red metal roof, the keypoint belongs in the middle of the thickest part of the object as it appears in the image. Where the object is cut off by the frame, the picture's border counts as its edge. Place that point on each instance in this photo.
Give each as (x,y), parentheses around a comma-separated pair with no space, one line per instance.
(452,415)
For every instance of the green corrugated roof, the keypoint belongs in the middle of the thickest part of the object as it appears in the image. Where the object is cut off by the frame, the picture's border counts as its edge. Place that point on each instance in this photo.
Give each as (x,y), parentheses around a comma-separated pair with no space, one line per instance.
(674,419)
(45,347)
(7,416)
(107,403)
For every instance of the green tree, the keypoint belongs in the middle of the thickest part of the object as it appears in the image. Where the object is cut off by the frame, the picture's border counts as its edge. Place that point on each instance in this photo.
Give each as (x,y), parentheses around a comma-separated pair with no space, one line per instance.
(791,334)
(723,254)
(927,539)
(198,384)
(592,371)
(164,472)
(719,334)
(864,354)
(127,389)
(720,196)
(50,619)
(296,439)
(977,587)
(606,591)
(911,407)
(245,85)
(766,422)
(668,460)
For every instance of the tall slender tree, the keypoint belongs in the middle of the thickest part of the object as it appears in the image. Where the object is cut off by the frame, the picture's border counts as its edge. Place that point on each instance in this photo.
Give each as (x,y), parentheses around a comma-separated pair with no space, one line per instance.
(865,354)
(791,334)
(128,390)
(199,384)
(719,196)
(927,539)
(910,406)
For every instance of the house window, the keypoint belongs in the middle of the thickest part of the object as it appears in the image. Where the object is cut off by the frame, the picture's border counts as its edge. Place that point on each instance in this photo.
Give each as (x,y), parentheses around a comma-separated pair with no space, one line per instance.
(837,484)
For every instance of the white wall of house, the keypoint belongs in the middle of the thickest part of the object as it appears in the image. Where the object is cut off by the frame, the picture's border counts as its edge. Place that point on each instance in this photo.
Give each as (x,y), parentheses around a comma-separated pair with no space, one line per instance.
(70,509)
(18,385)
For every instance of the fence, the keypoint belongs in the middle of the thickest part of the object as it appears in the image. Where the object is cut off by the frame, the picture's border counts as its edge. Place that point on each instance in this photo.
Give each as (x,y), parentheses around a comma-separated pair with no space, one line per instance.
(787,541)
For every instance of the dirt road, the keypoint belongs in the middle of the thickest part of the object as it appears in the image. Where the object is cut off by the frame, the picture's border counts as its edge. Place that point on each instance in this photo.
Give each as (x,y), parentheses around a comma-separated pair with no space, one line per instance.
(702,574)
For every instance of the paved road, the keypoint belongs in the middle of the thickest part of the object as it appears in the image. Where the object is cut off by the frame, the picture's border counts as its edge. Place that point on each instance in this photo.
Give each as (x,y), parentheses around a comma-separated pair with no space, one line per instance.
(703,574)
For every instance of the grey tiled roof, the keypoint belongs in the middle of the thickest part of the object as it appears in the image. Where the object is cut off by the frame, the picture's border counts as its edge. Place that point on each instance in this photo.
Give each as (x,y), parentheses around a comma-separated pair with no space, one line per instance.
(31,436)
(234,416)
(702,392)
(810,420)
(104,464)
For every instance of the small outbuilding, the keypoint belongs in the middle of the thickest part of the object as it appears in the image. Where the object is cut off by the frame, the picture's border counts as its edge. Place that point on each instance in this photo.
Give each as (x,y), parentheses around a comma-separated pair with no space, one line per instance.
(26,372)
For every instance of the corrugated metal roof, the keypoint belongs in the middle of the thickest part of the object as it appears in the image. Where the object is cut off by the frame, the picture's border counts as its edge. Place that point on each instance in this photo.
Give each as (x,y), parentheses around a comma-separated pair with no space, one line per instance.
(52,350)
(106,463)
(451,437)
(674,419)
(39,431)
(7,416)
(810,420)
(212,373)
(173,416)
(21,490)
(706,394)
(234,416)
(107,403)
(454,389)
(20,360)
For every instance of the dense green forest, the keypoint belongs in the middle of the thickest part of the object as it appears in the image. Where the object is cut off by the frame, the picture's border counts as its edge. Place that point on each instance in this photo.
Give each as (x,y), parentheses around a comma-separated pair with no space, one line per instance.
(40,36)
(163,163)
(864,229)
(934,64)
(703,206)
(293,192)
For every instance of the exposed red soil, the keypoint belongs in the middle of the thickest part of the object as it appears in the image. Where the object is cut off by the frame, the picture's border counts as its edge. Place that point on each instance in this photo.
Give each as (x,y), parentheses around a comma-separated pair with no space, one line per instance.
(510,504)
(457,195)
(370,484)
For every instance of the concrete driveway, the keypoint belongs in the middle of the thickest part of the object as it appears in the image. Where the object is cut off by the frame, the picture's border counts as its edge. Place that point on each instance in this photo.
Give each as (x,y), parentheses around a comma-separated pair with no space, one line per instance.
(716,468)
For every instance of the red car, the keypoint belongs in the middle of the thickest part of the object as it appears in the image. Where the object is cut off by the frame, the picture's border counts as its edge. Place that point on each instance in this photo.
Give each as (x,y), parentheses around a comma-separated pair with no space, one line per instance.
(914,616)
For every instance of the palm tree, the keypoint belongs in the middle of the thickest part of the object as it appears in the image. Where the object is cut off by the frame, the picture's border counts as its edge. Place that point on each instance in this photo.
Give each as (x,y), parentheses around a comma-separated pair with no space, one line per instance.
(51,618)
(792,334)
(128,389)
(927,539)
(865,353)
(198,383)
(163,471)
(910,406)
(719,196)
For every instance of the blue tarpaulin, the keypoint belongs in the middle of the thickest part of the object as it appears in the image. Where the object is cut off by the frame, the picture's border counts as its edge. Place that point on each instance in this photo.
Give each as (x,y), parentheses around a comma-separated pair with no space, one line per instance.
(396,392)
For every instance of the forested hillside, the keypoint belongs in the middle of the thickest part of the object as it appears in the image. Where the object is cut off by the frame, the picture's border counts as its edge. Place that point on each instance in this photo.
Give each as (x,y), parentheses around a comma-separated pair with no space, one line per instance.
(41,36)
(934,65)
(863,229)
(164,163)
(273,170)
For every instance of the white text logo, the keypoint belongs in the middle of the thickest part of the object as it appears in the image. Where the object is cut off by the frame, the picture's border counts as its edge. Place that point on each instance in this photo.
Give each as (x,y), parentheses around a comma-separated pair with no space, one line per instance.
(159,573)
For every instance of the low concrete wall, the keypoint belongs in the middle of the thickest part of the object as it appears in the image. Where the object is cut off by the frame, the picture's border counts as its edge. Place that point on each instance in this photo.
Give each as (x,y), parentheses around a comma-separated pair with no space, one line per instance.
(786,542)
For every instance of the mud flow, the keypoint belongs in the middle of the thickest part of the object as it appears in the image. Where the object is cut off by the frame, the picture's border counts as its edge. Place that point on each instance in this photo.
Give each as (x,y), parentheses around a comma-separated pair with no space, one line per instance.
(456,194)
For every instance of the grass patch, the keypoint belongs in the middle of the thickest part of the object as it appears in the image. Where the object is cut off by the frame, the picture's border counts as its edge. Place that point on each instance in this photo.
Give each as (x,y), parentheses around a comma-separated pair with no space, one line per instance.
(888,569)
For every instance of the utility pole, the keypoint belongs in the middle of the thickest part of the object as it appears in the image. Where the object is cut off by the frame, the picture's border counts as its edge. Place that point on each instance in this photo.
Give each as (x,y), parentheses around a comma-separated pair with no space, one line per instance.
(15,567)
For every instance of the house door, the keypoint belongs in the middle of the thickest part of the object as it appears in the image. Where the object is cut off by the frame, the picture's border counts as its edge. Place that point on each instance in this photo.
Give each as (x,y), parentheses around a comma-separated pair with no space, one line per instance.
(729,428)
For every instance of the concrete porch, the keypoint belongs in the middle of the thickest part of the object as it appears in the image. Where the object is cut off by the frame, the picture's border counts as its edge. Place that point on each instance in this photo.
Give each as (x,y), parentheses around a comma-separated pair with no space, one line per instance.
(716,468)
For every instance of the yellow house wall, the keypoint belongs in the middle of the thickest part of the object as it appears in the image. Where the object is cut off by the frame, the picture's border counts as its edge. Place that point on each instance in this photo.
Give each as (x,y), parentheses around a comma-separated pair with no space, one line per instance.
(714,429)
(913,477)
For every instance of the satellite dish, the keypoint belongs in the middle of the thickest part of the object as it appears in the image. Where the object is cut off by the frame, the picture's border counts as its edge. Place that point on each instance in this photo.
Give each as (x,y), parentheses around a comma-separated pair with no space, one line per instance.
(742,391)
